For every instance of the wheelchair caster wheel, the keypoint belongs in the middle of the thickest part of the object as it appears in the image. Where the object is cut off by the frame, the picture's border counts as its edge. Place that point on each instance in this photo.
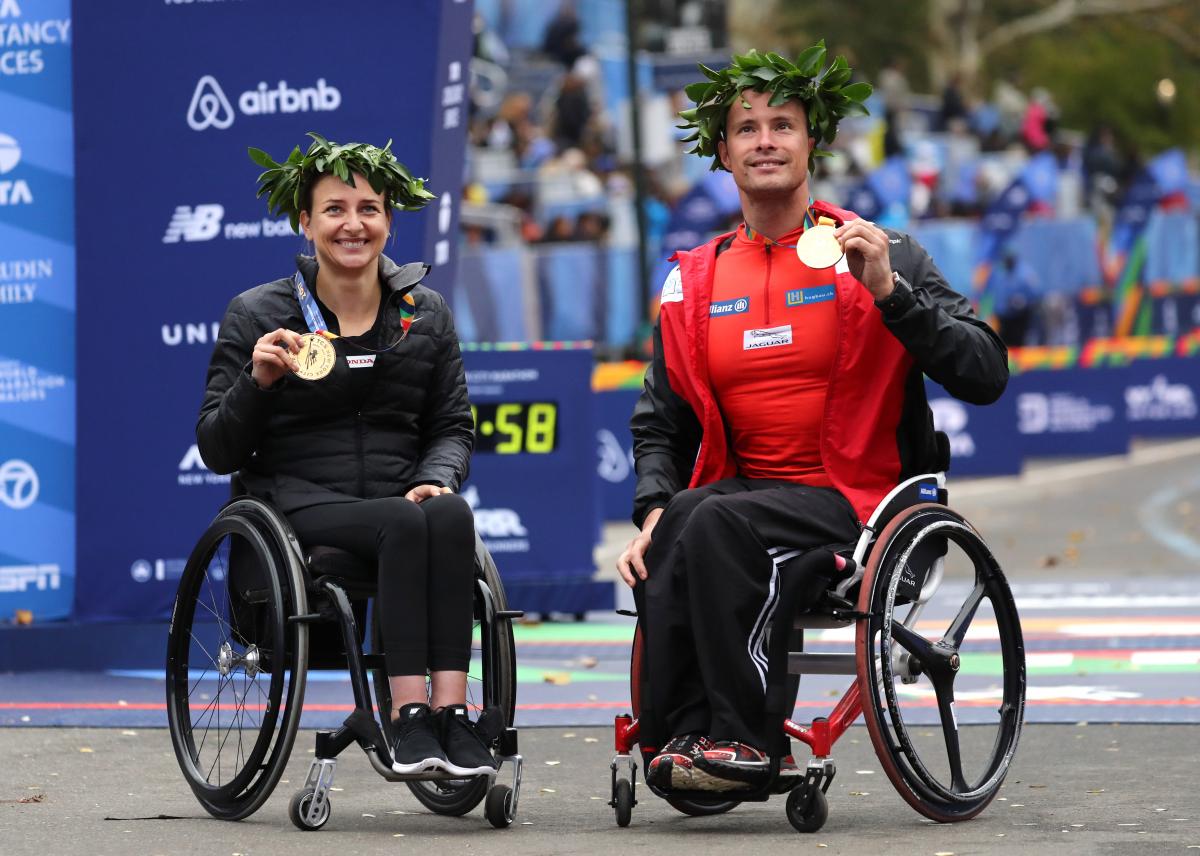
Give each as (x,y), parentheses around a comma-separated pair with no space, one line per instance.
(299,807)
(623,802)
(807,809)
(498,807)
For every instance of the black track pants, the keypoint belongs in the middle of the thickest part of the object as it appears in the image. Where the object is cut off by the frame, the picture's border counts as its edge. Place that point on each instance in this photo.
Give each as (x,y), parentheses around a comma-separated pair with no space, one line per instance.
(713,581)
(426,562)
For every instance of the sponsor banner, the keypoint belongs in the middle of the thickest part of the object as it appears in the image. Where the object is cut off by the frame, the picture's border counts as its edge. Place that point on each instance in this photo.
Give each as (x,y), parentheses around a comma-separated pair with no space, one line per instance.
(983,440)
(1070,412)
(534,493)
(1162,397)
(37,311)
(614,452)
(210,78)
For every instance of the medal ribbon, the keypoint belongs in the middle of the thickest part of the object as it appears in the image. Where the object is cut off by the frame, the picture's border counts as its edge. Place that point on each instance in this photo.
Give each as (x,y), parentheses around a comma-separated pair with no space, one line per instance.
(809,221)
(316,321)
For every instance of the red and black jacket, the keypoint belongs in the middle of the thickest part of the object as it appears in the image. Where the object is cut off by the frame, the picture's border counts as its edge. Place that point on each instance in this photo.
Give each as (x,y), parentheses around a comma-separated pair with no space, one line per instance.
(877,428)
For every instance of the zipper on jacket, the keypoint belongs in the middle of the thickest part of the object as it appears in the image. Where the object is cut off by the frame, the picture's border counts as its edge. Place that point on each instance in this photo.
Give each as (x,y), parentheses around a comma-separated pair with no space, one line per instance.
(358,447)
(767,290)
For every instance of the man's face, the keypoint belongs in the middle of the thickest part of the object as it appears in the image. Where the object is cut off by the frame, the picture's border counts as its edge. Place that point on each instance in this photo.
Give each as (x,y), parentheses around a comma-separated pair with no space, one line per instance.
(766,148)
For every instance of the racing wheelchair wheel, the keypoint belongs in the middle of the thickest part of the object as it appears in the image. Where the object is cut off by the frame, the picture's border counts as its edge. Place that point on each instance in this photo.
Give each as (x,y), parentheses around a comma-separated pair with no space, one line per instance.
(491,684)
(690,807)
(941,645)
(236,664)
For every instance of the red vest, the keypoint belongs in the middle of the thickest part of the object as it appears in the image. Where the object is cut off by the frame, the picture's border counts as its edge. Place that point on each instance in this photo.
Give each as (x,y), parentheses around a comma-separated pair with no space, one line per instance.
(866,387)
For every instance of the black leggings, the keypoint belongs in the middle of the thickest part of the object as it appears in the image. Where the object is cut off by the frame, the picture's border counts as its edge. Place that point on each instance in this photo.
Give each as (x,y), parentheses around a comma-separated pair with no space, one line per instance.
(426,572)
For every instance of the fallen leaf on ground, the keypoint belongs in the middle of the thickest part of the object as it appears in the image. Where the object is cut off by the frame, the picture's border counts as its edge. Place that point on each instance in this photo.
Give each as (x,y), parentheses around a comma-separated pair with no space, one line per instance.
(553,763)
(86,749)
(588,662)
(558,679)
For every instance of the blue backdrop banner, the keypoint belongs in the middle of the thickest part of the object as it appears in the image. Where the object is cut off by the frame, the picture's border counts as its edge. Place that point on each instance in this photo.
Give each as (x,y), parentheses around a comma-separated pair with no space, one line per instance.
(614,452)
(37,310)
(533,486)
(1162,398)
(1070,412)
(163,136)
(983,440)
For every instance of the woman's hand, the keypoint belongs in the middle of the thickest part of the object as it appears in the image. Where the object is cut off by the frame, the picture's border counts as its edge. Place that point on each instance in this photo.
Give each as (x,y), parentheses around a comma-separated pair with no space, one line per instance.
(272,357)
(422,492)
(631,564)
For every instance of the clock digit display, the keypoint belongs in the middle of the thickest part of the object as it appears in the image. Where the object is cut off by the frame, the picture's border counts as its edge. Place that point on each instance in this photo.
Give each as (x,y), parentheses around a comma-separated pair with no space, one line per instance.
(516,427)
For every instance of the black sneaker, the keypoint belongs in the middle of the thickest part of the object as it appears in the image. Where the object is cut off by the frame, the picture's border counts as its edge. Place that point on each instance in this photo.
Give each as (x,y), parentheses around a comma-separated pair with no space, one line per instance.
(673,767)
(417,749)
(467,753)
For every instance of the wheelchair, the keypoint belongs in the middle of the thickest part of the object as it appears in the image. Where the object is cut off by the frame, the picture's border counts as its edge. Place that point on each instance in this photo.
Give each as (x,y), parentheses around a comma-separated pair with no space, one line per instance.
(925,603)
(253,613)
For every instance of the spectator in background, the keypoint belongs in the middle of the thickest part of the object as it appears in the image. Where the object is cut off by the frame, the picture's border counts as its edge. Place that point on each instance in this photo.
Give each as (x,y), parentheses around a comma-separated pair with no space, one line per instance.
(561,39)
(954,103)
(1040,118)
(1014,283)
(1102,169)
(572,112)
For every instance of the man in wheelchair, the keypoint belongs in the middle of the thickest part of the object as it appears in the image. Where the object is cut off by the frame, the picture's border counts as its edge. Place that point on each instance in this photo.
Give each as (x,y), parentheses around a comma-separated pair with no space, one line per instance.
(784,400)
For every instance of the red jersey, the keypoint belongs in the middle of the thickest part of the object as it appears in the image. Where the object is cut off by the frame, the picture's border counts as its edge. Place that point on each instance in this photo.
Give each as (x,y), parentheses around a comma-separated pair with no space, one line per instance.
(771,338)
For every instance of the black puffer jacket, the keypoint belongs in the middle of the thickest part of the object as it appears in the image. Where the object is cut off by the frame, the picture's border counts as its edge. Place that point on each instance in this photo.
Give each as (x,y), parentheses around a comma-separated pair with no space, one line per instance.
(301,443)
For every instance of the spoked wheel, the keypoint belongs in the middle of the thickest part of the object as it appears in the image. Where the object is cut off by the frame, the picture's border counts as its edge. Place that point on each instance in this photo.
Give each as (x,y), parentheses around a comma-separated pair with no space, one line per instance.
(942,648)
(637,666)
(491,683)
(235,664)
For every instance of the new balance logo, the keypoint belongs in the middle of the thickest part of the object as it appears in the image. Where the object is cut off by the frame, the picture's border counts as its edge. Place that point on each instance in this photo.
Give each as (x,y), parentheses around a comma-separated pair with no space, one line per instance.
(201,223)
(209,108)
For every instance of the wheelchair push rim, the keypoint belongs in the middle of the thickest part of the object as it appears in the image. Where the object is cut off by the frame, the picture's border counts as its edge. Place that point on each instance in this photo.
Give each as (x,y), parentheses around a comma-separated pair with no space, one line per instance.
(909,664)
(234,694)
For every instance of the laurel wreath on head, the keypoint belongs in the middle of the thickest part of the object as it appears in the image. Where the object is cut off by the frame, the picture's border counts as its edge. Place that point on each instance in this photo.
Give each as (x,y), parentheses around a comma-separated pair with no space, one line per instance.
(284,183)
(826,93)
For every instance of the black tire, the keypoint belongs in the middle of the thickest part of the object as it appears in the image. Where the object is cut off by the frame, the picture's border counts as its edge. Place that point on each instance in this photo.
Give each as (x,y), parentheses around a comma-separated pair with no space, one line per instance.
(623,797)
(491,682)
(637,654)
(807,810)
(235,678)
(498,808)
(891,646)
(298,810)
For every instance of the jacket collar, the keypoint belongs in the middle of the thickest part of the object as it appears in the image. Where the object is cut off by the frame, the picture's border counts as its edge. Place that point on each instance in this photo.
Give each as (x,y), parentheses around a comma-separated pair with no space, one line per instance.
(398,278)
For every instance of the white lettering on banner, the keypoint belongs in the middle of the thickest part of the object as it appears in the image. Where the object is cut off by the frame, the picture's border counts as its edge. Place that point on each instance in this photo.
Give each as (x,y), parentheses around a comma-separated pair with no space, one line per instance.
(9,9)
(10,153)
(12,289)
(15,191)
(23,34)
(210,106)
(500,528)
(19,484)
(20,383)
(951,417)
(190,334)
(1159,401)
(165,570)
(18,578)
(201,223)
(452,96)
(615,463)
(192,470)
(1059,413)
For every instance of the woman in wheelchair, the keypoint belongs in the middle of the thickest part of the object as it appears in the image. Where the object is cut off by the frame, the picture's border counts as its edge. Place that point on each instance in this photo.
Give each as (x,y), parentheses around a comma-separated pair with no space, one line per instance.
(337,394)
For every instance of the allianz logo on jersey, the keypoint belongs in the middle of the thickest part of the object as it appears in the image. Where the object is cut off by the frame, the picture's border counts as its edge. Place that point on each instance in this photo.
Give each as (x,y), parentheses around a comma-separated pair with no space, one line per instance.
(211,108)
(737,306)
(500,528)
(13,191)
(204,223)
(192,470)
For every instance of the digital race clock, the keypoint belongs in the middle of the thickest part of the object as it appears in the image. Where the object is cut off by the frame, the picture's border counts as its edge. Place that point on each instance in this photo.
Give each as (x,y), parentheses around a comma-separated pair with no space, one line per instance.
(516,427)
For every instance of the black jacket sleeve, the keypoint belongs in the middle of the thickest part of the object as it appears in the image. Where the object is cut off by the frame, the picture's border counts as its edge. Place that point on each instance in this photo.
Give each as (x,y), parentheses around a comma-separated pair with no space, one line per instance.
(939,328)
(235,410)
(447,429)
(666,438)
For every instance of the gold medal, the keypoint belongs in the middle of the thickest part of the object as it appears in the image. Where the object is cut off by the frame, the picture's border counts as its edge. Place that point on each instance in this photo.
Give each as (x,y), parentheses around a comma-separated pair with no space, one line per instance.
(817,247)
(316,357)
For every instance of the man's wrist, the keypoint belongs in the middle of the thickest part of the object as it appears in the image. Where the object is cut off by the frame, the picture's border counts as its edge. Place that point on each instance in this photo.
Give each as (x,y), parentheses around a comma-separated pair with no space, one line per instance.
(899,300)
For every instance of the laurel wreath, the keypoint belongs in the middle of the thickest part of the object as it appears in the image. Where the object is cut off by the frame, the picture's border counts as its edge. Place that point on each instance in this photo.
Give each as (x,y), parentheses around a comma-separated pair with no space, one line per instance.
(825,92)
(284,183)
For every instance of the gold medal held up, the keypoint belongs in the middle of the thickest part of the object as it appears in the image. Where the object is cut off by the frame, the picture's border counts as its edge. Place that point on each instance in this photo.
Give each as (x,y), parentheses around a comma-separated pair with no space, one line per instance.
(316,357)
(817,247)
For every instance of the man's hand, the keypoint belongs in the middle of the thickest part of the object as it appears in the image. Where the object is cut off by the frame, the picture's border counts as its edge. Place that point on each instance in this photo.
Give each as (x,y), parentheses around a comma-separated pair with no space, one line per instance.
(425,491)
(867,255)
(631,563)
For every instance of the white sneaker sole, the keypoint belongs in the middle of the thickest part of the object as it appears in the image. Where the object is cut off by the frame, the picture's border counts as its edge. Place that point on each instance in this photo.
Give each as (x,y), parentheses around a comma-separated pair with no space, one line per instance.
(482,770)
(429,765)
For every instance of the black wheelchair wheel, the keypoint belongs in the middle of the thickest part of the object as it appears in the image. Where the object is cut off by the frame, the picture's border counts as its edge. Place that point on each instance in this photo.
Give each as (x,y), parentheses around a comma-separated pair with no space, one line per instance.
(637,667)
(235,671)
(491,684)
(942,647)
